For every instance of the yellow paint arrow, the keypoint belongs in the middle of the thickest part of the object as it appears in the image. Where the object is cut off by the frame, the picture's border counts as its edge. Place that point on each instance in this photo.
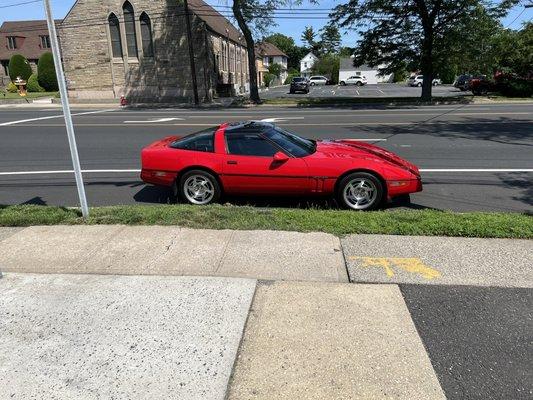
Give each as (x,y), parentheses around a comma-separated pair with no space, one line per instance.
(411,265)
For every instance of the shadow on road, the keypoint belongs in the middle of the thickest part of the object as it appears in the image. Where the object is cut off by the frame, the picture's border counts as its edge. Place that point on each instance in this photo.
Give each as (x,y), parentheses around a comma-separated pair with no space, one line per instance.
(502,130)
(161,195)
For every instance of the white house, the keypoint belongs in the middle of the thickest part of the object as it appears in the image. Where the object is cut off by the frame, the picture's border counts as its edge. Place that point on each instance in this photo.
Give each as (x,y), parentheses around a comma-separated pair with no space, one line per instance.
(271,54)
(371,73)
(306,64)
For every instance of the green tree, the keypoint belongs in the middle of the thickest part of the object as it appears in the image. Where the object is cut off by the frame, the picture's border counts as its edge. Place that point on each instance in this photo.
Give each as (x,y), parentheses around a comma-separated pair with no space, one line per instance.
(416,32)
(19,66)
(309,39)
(346,51)
(46,72)
(328,65)
(330,39)
(288,46)
(256,17)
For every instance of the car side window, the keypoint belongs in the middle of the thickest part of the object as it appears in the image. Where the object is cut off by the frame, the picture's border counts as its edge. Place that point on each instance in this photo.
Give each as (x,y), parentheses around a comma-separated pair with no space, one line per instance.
(200,141)
(249,144)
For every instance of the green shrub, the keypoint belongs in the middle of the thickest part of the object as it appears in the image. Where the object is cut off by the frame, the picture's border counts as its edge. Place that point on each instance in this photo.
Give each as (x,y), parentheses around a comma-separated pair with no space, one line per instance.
(517,88)
(19,66)
(33,84)
(268,78)
(12,88)
(46,72)
(290,76)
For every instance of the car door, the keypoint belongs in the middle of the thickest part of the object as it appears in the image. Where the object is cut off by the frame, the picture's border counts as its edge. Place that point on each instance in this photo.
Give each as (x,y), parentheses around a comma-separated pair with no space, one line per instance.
(250,167)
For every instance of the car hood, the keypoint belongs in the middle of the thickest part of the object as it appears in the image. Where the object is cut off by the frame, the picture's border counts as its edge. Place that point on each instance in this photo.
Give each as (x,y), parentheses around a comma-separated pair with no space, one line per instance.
(349,148)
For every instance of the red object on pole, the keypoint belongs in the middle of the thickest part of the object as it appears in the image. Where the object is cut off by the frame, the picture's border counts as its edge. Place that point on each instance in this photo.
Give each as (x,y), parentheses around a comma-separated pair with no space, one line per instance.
(123,101)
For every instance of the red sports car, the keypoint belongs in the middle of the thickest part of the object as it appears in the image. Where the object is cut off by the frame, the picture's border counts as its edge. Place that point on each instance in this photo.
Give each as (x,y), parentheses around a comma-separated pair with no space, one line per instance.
(261,158)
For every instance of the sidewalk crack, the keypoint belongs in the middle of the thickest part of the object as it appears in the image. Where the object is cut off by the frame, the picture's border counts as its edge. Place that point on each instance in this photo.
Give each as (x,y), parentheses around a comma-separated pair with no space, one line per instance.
(219,263)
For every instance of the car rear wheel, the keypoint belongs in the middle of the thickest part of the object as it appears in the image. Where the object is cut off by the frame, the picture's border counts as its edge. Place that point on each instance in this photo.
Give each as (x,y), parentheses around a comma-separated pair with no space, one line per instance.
(419,84)
(312,83)
(360,191)
(359,83)
(343,83)
(199,187)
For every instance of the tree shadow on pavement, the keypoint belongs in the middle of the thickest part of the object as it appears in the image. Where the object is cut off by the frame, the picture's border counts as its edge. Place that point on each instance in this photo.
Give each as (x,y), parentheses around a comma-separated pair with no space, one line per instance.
(500,130)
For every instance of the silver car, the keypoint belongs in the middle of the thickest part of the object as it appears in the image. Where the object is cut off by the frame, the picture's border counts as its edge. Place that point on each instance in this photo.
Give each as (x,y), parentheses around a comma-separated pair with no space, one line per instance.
(318,80)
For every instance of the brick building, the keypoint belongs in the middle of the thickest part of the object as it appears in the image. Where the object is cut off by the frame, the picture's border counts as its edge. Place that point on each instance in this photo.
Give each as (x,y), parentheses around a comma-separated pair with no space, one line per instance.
(139,48)
(29,38)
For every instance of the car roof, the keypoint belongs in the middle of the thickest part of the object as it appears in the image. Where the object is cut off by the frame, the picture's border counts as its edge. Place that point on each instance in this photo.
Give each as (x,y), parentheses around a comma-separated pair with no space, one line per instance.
(259,125)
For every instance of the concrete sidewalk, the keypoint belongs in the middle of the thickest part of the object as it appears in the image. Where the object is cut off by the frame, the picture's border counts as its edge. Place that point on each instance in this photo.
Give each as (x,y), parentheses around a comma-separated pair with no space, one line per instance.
(150,312)
(272,255)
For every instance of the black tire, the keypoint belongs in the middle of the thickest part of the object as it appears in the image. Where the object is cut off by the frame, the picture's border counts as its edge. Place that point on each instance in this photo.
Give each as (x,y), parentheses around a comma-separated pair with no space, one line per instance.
(211,184)
(307,91)
(419,84)
(359,83)
(372,182)
(343,83)
(291,91)
(312,84)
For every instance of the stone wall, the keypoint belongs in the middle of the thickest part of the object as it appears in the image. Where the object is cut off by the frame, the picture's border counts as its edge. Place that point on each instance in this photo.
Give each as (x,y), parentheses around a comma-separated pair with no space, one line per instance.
(92,72)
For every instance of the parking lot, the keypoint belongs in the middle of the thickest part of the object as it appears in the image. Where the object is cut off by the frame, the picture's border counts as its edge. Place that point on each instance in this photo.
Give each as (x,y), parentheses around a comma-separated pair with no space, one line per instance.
(367,91)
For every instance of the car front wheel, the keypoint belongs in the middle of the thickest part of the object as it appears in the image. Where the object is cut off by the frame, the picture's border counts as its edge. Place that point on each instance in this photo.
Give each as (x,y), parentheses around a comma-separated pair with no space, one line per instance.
(360,191)
(199,187)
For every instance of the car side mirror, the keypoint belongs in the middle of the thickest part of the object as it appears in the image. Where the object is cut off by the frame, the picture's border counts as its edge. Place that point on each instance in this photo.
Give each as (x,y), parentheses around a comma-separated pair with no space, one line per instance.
(280,157)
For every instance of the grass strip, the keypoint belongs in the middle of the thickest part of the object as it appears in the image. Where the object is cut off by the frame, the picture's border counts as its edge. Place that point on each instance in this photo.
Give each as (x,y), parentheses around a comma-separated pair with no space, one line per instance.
(337,222)
(29,95)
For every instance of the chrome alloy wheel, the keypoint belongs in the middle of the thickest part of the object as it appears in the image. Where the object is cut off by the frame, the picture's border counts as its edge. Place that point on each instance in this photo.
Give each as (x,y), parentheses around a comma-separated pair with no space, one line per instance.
(360,193)
(198,189)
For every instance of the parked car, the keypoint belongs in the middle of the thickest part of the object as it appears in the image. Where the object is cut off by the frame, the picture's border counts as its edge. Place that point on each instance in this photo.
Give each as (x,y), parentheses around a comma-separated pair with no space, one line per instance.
(318,80)
(299,84)
(357,80)
(463,82)
(259,158)
(418,80)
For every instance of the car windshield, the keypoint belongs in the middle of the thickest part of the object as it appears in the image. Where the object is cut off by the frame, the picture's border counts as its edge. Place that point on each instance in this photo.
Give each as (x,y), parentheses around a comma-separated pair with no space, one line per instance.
(298,79)
(293,144)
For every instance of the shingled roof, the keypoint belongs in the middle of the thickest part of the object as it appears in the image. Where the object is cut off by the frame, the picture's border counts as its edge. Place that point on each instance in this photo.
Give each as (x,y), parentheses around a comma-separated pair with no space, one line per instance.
(215,21)
(28,38)
(266,49)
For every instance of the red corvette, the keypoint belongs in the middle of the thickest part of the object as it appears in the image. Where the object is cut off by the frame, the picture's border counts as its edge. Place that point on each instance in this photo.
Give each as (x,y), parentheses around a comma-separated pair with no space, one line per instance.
(261,158)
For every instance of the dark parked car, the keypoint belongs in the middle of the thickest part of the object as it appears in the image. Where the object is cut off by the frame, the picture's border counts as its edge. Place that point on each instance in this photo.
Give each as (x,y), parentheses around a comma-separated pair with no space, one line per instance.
(463,82)
(299,84)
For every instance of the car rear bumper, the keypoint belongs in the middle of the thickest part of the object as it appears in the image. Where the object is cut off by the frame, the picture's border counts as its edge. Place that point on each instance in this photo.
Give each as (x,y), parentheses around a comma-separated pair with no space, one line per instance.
(155,177)
(400,187)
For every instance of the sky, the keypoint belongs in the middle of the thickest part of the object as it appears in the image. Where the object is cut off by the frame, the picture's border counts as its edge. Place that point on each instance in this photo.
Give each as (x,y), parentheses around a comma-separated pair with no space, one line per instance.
(291,27)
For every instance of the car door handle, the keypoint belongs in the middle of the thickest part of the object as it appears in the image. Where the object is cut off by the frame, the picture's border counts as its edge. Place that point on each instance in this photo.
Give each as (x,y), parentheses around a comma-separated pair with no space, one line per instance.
(232,162)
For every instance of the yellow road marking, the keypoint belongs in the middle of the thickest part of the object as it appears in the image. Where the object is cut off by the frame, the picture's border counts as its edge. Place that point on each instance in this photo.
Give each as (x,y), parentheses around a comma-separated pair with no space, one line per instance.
(412,265)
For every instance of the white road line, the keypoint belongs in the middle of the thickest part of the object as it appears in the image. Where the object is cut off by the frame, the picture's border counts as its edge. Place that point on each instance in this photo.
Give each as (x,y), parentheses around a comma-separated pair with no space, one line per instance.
(21,121)
(132,171)
(155,120)
(279,119)
(70,171)
(474,170)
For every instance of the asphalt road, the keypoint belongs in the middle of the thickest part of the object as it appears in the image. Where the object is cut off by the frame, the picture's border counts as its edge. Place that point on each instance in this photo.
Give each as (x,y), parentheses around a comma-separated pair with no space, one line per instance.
(478,338)
(367,91)
(487,137)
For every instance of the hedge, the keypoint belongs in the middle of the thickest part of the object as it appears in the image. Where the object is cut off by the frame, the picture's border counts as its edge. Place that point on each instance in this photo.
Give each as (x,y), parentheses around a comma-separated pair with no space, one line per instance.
(46,73)
(33,84)
(19,66)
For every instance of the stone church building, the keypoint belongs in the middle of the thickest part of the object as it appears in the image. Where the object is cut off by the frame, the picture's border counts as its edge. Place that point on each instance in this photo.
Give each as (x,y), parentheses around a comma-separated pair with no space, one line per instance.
(139,48)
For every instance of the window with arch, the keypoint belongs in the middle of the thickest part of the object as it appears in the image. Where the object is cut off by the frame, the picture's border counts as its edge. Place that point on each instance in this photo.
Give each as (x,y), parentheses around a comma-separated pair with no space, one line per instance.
(129,25)
(114,32)
(146,35)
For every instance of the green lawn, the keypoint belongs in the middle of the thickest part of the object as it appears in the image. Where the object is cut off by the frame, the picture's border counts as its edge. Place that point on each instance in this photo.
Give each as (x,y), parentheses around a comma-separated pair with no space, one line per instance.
(338,222)
(11,96)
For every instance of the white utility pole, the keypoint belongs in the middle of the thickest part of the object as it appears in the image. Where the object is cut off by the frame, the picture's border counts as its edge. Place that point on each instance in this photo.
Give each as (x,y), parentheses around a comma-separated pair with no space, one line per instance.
(66,108)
